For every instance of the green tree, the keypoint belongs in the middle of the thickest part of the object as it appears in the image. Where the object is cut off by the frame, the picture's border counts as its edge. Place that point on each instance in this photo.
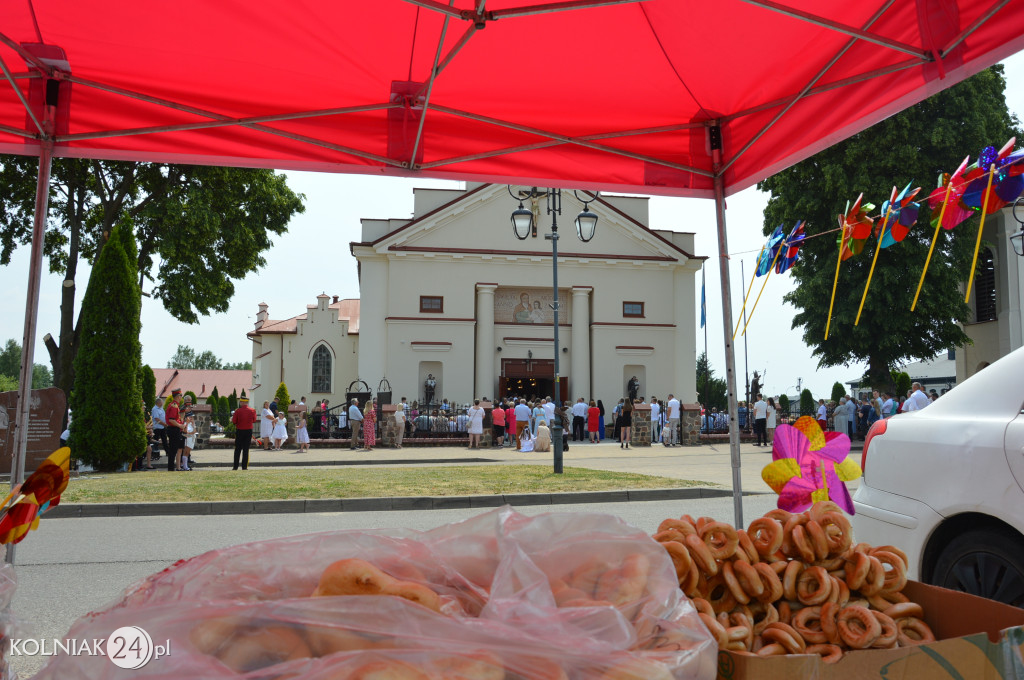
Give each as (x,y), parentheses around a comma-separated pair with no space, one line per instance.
(711,391)
(8,384)
(190,393)
(242,394)
(108,428)
(784,403)
(239,366)
(901,380)
(197,228)
(806,403)
(10,366)
(223,411)
(838,391)
(186,357)
(233,400)
(912,146)
(282,398)
(214,393)
(148,386)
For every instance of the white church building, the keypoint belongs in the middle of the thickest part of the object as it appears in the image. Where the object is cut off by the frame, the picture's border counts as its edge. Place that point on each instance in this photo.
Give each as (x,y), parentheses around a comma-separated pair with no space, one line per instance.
(453,294)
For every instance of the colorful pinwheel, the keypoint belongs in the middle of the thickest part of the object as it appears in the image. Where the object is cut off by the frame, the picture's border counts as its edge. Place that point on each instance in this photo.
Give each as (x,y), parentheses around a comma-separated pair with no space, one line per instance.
(21,510)
(1007,181)
(902,213)
(770,252)
(792,248)
(948,194)
(809,465)
(856,227)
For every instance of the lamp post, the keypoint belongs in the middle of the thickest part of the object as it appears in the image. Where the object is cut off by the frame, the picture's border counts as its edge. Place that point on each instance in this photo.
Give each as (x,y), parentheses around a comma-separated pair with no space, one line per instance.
(522,226)
(1017,240)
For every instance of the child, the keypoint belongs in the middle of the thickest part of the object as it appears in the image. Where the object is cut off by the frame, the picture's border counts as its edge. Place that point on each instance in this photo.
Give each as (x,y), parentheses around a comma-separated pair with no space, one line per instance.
(280,431)
(190,442)
(302,435)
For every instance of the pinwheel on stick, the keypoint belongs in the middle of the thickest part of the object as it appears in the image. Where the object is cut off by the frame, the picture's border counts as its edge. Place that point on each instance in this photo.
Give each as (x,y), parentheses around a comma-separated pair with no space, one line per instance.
(854,230)
(765,262)
(951,188)
(900,213)
(21,510)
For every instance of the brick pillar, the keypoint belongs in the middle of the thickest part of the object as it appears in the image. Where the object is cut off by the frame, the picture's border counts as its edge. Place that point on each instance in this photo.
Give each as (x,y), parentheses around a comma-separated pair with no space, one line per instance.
(201,414)
(641,433)
(689,423)
(388,426)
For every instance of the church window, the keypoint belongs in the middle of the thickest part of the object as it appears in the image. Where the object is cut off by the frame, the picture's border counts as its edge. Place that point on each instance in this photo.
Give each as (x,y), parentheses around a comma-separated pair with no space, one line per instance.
(633,310)
(431,304)
(985,288)
(321,370)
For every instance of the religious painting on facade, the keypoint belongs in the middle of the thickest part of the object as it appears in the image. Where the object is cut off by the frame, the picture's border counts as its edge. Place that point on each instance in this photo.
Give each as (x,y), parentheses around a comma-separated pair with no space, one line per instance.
(530,306)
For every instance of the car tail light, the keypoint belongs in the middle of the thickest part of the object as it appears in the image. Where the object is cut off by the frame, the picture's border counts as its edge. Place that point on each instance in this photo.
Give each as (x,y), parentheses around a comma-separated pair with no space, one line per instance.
(876,429)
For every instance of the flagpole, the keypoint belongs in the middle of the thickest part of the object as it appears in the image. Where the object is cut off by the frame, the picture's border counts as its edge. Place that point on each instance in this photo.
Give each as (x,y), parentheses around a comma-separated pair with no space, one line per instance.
(746,373)
(707,363)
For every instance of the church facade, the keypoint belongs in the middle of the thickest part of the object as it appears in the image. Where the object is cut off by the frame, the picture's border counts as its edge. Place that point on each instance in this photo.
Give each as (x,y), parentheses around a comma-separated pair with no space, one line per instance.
(453,297)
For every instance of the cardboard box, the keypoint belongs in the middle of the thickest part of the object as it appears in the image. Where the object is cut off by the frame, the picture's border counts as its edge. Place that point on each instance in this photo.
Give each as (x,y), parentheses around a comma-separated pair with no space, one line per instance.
(977,639)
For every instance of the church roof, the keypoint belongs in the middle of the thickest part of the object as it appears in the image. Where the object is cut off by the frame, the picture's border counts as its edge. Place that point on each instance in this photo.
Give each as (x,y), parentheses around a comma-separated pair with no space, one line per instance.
(348,310)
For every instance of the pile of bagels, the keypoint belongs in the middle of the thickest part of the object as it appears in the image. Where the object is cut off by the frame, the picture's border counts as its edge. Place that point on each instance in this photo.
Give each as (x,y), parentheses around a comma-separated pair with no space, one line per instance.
(794,583)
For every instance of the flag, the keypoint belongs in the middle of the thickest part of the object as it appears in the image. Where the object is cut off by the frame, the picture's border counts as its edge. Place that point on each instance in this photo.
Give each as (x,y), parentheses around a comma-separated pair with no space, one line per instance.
(703,302)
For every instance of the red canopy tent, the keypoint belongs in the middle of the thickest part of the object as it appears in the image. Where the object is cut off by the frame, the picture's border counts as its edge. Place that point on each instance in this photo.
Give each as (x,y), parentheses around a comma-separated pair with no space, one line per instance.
(659,97)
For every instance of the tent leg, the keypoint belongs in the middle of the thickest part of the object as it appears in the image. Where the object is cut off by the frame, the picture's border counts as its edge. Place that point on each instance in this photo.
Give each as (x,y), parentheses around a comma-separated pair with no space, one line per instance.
(730,359)
(28,340)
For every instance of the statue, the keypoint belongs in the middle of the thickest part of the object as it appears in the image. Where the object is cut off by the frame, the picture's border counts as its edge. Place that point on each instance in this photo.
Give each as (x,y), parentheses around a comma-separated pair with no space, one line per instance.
(430,384)
(632,388)
(755,386)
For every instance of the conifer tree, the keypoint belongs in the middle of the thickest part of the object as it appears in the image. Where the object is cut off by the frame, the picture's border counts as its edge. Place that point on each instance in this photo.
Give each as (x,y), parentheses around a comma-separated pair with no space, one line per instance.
(148,386)
(108,428)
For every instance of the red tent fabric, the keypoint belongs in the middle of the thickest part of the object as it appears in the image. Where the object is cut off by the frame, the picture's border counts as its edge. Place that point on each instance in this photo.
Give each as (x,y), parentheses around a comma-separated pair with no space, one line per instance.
(606,94)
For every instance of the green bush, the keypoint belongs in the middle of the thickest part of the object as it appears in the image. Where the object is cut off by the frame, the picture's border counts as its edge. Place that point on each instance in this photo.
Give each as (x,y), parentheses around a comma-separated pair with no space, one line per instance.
(838,392)
(282,397)
(108,428)
(229,430)
(223,414)
(784,403)
(807,407)
(148,386)
(233,401)
(902,380)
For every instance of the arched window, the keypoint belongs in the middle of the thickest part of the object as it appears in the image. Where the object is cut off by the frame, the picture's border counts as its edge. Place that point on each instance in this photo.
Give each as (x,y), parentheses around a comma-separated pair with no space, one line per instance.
(985,287)
(321,370)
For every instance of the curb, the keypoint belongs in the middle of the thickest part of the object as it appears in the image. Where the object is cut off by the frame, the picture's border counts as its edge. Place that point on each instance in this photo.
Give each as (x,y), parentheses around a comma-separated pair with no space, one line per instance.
(69,511)
(329,463)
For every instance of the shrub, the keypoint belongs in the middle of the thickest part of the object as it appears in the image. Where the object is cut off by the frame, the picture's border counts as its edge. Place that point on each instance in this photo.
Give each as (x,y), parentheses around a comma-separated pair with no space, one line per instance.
(223,414)
(282,398)
(806,403)
(784,403)
(147,382)
(838,392)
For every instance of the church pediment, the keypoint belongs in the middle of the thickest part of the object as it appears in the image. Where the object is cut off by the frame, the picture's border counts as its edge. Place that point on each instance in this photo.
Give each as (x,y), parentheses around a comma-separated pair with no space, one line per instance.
(478,223)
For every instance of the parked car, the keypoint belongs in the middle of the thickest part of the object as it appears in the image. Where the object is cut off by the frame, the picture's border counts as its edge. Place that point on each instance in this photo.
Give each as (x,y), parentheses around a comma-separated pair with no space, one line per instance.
(946,485)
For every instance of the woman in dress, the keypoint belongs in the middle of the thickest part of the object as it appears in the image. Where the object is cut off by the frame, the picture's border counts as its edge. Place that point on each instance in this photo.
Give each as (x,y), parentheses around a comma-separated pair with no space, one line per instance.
(770,424)
(370,425)
(626,423)
(266,425)
(302,434)
(475,424)
(510,423)
(543,442)
(617,421)
(600,420)
(280,433)
(498,425)
(593,415)
(539,416)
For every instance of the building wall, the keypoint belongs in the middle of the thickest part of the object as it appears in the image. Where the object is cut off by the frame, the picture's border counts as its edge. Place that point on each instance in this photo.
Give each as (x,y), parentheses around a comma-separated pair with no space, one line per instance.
(993,340)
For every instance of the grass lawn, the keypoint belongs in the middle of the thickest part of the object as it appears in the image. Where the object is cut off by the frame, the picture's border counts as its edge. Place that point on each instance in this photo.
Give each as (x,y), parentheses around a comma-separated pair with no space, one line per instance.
(270,484)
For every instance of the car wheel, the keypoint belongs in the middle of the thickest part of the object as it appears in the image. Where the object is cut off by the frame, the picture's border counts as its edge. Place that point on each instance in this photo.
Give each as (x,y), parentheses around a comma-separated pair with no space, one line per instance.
(988,563)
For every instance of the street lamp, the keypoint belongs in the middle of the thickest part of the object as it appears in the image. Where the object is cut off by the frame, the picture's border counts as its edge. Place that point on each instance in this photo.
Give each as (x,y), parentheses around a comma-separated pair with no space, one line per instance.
(586,227)
(1017,240)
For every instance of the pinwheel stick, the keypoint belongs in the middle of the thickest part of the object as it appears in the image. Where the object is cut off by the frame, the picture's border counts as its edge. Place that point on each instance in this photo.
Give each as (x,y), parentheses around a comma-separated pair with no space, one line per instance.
(871,272)
(935,236)
(778,252)
(839,259)
(977,243)
(739,317)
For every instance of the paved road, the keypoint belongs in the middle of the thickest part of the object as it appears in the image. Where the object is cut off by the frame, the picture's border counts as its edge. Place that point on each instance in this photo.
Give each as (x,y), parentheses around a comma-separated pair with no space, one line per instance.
(73,566)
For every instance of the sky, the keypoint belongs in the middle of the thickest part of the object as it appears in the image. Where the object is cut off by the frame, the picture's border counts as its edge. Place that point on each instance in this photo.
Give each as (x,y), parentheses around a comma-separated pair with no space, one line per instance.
(313,257)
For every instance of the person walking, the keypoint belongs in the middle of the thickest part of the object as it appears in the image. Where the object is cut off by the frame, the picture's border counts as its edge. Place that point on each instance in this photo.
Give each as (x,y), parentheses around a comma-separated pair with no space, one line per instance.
(188,430)
(475,426)
(243,418)
(539,416)
(673,418)
(761,421)
(370,425)
(593,414)
(772,419)
(267,422)
(626,424)
(510,421)
(280,433)
(355,420)
(822,415)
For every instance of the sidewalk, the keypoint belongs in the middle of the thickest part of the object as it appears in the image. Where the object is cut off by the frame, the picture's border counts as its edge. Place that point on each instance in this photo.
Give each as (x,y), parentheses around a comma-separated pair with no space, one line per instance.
(709,464)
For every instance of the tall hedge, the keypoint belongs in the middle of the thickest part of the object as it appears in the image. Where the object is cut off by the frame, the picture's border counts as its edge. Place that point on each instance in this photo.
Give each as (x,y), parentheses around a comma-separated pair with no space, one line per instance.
(223,411)
(282,397)
(233,400)
(838,391)
(108,429)
(807,407)
(148,386)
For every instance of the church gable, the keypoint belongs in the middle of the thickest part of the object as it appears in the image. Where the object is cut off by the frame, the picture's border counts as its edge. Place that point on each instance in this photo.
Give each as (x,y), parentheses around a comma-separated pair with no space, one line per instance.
(479,222)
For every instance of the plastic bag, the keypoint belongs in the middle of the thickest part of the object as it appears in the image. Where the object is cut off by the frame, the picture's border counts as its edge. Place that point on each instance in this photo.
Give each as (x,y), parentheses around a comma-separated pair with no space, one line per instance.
(562,595)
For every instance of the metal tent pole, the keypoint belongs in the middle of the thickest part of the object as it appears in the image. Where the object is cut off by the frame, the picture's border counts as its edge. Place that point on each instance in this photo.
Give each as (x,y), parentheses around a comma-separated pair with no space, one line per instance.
(730,359)
(28,340)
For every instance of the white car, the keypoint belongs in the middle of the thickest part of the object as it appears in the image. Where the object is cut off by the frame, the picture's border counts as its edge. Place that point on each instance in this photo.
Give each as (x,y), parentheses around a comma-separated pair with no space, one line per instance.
(946,485)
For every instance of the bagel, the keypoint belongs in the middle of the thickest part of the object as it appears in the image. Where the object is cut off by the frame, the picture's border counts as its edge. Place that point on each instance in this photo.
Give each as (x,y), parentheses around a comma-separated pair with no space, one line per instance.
(720,538)
(858,627)
(255,647)
(828,653)
(766,535)
(785,635)
(890,632)
(358,577)
(913,632)
(813,586)
(807,622)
